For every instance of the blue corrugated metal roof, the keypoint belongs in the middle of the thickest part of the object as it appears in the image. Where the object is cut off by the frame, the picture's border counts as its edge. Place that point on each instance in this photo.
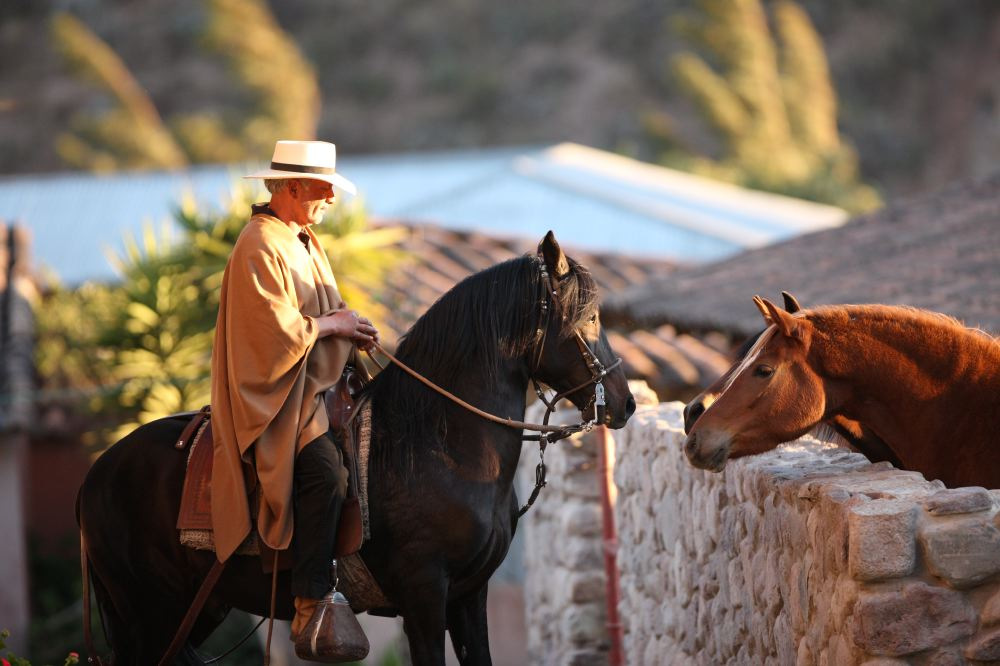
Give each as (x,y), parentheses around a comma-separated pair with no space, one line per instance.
(590,198)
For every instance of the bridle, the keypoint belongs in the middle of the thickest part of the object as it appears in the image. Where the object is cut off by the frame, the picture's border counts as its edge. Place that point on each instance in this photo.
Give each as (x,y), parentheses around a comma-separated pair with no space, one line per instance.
(546,433)
(597,371)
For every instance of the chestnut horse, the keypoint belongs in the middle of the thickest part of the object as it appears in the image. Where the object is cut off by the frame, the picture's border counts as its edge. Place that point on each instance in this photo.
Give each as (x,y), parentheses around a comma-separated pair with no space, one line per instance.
(926,386)
(859,437)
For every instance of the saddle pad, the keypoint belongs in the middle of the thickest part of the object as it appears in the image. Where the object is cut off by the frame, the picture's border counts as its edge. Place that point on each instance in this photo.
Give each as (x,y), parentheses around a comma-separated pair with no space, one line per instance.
(363,437)
(196,497)
(195,516)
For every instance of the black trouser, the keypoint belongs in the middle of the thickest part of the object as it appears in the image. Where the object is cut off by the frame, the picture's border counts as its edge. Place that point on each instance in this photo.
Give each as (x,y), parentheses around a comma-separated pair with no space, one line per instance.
(318,493)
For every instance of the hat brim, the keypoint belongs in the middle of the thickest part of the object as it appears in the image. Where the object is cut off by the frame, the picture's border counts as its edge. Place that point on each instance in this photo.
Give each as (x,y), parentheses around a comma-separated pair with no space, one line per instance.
(334,179)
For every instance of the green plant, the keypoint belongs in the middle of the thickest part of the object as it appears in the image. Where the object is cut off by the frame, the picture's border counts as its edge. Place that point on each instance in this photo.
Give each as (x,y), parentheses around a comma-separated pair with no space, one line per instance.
(280,87)
(14,660)
(145,349)
(770,101)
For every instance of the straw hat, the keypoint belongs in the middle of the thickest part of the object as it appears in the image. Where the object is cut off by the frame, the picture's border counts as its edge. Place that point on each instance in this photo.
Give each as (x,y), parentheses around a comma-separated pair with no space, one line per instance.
(306,159)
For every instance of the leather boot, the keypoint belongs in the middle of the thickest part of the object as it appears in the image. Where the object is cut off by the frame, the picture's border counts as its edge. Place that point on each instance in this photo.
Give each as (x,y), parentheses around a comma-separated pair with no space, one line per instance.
(304,609)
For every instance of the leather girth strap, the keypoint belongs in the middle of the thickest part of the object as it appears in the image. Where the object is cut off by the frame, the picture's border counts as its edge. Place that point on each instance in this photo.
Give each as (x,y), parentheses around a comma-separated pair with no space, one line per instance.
(192,614)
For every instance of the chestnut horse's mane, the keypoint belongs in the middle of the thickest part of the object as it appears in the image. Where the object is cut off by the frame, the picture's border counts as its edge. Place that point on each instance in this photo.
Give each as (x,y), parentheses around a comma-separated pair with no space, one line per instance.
(892,314)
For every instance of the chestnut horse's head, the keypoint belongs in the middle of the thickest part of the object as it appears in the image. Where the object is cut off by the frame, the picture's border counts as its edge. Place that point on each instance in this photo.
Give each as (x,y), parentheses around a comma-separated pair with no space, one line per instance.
(697,406)
(770,396)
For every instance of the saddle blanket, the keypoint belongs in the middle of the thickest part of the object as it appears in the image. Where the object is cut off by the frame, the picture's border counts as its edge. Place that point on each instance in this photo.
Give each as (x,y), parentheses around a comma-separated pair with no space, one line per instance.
(195,517)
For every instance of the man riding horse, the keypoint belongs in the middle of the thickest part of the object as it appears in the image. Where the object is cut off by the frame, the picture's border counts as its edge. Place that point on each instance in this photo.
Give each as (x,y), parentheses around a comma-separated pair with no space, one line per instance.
(283,338)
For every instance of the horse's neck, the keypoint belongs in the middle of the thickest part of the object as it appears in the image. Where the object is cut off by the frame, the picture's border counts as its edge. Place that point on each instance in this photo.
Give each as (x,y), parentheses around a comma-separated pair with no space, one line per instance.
(494,455)
(906,380)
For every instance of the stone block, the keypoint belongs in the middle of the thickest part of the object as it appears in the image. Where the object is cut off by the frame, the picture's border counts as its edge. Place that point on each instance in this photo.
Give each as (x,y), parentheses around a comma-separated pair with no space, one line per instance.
(881,541)
(958,500)
(584,625)
(579,554)
(803,656)
(885,662)
(944,657)
(962,552)
(593,657)
(991,611)
(985,647)
(581,482)
(913,618)
(579,519)
(586,587)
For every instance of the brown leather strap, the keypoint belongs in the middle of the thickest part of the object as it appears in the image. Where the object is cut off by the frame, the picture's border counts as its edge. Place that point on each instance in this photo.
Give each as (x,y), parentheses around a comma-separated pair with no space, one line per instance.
(192,427)
(537,427)
(192,614)
(270,622)
(88,639)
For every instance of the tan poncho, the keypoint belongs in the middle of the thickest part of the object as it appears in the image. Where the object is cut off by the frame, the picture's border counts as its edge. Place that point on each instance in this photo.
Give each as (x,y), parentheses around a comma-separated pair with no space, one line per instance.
(269,372)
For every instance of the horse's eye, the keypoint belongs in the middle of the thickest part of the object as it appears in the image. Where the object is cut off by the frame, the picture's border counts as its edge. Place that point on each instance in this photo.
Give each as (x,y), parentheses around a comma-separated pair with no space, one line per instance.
(763,371)
(593,319)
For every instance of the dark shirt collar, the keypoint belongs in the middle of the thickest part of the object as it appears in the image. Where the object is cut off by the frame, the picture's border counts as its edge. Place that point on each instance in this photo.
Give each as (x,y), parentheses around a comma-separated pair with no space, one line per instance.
(265,209)
(262,209)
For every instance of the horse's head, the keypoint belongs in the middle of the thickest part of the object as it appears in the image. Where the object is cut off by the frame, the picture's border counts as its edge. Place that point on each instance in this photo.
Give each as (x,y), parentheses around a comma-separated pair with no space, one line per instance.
(772,395)
(697,406)
(571,353)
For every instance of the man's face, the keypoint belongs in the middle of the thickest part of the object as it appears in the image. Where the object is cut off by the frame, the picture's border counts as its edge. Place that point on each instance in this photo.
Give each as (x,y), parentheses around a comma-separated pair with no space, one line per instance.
(313,197)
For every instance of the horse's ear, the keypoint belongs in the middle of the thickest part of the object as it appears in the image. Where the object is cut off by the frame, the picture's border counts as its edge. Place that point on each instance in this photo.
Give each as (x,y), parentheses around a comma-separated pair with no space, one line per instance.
(786,323)
(759,302)
(791,303)
(553,255)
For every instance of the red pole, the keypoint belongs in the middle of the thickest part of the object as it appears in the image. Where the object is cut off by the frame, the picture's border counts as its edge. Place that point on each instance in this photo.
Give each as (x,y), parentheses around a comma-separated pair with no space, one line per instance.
(610,544)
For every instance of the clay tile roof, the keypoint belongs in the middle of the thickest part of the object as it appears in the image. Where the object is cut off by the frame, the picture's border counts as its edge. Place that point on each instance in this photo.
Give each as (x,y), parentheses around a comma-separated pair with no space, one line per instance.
(437,258)
(940,252)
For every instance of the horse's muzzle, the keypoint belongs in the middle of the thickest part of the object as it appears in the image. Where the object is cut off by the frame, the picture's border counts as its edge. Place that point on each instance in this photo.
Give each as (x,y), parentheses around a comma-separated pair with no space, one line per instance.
(707,452)
(618,418)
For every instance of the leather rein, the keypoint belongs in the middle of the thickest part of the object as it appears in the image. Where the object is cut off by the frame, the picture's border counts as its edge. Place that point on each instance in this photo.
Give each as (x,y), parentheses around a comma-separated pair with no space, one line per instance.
(546,433)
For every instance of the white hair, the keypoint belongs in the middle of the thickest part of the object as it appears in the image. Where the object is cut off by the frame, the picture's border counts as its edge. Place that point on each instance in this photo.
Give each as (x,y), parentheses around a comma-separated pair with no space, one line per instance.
(275,185)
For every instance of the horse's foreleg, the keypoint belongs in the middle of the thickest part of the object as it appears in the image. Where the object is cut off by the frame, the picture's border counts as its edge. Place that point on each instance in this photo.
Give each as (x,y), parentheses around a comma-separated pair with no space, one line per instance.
(467,627)
(423,614)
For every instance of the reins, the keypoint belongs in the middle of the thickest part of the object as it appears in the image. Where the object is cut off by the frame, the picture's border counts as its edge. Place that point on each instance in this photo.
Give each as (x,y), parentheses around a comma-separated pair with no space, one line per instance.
(564,431)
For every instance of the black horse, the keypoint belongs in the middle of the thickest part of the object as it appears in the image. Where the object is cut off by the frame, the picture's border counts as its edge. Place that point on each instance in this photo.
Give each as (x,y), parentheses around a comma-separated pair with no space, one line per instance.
(443,506)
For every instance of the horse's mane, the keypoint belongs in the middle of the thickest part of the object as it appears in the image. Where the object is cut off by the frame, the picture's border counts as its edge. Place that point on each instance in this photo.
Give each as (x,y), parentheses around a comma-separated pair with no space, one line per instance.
(893,314)
(485,319)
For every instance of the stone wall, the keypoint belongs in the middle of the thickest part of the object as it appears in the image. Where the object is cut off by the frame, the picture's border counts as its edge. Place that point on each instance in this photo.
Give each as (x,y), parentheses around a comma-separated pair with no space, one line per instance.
(805,555)
(564,572)
(564,585)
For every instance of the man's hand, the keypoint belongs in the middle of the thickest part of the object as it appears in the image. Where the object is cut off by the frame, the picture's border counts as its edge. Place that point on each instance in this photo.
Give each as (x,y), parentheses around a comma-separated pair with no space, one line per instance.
(349,324)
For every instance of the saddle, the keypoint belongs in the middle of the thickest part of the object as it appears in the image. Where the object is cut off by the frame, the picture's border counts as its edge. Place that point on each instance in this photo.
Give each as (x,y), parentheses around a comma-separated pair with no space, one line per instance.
(195,515)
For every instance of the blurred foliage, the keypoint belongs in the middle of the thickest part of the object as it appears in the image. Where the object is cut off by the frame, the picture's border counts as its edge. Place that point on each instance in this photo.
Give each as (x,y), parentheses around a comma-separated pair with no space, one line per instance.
(145,349)
(773,107)
(282,97)
(130,133)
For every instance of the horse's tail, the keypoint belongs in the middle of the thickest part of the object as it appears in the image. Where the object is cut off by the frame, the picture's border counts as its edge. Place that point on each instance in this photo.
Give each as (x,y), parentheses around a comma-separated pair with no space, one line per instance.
(88,639)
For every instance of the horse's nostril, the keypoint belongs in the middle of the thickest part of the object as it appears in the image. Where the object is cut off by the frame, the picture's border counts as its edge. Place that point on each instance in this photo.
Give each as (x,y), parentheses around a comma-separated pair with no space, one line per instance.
(629,406)
(691,414)
(690,444)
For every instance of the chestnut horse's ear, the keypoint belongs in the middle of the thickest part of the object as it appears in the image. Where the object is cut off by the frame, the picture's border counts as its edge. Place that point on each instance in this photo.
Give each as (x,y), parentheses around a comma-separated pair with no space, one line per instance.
(791,303)
(787,324)
(553,255)
(759,302)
